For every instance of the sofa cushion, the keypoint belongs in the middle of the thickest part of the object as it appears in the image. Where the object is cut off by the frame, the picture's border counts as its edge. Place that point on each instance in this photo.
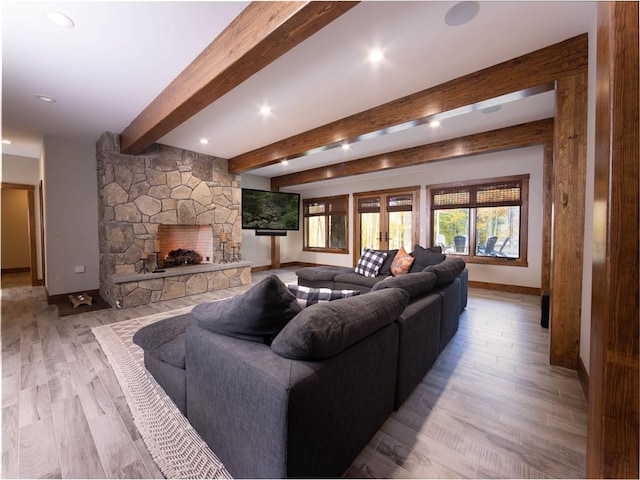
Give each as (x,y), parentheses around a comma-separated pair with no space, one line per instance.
(357,279)
(448,270)
(257,315)
(425,257)
(308,296)
(325,329)
(385,269)
(415,284)
(316,274)
(401,263)
(370,262)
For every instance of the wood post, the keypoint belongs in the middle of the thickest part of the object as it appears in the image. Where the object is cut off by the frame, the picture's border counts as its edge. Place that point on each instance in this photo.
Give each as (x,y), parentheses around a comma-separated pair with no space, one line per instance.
(614,376)
(569,179)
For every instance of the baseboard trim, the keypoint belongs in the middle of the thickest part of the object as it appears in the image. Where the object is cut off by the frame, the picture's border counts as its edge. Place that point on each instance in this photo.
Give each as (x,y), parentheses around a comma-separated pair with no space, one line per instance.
(583,376)
(261,269)
(51,299)
(15,270)
(286,265)
(301,264)
(505,288)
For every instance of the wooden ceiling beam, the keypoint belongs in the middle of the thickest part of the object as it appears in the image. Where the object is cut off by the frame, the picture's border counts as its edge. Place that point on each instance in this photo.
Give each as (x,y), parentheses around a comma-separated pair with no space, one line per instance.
(527,71)
(262,32)
(517,136)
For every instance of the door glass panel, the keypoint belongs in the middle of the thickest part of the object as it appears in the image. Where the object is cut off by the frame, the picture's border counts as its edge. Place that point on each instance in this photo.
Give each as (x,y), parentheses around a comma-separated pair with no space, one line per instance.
(400,235)
(369,231)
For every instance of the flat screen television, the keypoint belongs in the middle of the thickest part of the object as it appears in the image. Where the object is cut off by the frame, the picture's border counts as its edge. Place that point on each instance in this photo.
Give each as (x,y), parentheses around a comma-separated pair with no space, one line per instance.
(263,210)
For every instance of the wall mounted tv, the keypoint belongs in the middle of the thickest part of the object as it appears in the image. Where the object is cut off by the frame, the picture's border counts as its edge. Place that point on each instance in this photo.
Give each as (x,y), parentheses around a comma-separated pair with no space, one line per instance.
(270,213)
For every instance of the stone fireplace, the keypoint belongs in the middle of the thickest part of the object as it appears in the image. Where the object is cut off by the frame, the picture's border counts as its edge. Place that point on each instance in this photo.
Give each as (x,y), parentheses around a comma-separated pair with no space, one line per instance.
(152,203)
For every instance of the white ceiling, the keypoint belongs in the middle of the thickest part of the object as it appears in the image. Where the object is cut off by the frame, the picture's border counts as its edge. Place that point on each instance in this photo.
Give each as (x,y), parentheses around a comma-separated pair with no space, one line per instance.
(120,55)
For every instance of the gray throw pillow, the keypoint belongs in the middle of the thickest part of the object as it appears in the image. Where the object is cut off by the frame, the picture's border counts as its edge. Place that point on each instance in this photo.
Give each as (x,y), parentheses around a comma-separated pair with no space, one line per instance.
(385,269)
(257,315)
(448,270)
(425,257)
(326,329)
(415,284)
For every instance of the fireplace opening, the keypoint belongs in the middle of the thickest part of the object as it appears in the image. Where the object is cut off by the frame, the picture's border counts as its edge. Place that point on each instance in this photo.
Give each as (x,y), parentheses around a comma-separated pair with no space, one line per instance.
(181,256)
(184,245)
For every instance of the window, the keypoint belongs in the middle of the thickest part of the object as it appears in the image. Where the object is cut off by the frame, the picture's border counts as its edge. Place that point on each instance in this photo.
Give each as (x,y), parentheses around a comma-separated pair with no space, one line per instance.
(484,221)
(326,224)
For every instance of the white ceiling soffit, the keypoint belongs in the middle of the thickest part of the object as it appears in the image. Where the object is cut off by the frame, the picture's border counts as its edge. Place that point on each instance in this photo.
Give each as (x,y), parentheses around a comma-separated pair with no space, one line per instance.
(328,77)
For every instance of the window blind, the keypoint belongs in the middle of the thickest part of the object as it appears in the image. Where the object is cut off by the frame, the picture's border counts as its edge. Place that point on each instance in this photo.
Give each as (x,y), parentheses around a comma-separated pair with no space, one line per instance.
(482,195)
(369,205)
(399,203)
(332,206)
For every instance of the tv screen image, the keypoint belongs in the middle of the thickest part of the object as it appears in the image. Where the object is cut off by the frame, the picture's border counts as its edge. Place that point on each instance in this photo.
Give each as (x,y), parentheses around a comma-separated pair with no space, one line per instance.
(264,210)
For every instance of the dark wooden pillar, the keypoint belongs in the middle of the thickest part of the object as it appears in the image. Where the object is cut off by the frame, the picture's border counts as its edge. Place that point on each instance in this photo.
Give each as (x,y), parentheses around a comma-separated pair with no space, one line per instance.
(547,209)
(569,178)
(614,376)
(275,252)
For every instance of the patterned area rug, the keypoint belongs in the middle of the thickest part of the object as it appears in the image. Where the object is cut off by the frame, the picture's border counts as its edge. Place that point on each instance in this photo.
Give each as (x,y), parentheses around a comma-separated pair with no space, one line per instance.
(174,445)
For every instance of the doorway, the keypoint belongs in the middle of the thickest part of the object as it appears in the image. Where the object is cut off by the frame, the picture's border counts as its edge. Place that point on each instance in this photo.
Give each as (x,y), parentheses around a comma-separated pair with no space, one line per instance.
(19,230)
(386,220)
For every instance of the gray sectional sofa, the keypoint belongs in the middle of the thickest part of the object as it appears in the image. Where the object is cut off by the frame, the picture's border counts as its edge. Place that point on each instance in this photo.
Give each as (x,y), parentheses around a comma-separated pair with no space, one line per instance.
(280,391)
(438,295)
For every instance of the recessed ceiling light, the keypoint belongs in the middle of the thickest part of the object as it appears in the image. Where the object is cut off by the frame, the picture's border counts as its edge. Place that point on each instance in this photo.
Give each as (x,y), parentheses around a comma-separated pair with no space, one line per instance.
(265,111)
(346,146)
(461,13)
(6,142)
(60,19)
(204,141)
(45,98)
(434,123)
(376,56)
(491,109)
(285,162)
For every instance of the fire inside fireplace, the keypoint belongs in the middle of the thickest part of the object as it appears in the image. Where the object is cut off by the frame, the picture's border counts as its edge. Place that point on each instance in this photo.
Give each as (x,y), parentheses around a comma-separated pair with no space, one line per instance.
(181,256)
(184,245)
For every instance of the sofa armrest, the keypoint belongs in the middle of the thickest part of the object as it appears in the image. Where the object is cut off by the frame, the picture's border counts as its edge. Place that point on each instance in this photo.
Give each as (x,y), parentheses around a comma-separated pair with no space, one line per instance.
(268,416)
(419,343)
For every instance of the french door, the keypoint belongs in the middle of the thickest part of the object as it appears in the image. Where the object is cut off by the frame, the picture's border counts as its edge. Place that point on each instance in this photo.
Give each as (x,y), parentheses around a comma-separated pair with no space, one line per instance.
(386,220)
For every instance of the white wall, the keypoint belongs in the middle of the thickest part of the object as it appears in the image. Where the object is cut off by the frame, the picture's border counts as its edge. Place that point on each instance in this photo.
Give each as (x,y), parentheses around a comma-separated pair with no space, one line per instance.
(513,162)
(587,271)
(256,249)
(16,169)
(25,171)
(71,215)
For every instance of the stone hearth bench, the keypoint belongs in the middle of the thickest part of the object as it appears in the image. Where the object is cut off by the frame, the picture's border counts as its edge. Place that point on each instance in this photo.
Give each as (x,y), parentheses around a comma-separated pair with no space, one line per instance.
(133,289)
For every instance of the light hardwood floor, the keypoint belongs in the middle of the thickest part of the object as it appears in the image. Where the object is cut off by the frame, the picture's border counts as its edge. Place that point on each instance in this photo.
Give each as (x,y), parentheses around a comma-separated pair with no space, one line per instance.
(491,407)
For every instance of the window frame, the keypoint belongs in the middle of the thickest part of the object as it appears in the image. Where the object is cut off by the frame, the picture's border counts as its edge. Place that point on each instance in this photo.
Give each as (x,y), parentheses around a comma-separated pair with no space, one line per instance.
(471,257)
(305,216)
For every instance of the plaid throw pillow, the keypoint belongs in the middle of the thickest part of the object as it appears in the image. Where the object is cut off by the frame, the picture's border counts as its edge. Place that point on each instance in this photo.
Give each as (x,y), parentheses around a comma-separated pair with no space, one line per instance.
(309,296)
(370,262)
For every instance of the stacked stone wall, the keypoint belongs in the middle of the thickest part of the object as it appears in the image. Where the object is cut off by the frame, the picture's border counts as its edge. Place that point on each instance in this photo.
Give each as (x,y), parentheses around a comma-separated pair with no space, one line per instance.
(162,185)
